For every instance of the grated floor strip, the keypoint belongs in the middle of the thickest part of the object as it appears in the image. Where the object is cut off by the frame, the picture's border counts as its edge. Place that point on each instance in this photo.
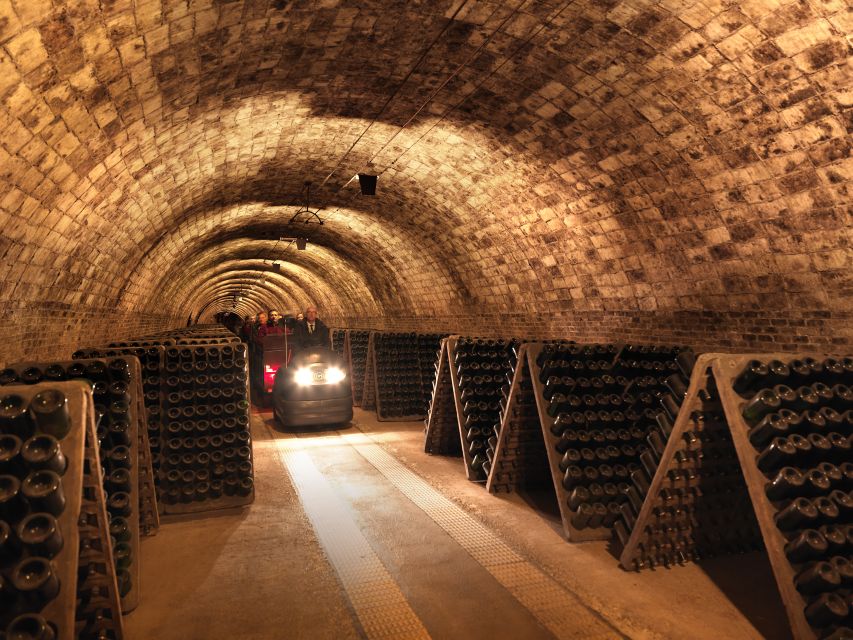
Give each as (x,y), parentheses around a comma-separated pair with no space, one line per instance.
(555,607)
(376,599)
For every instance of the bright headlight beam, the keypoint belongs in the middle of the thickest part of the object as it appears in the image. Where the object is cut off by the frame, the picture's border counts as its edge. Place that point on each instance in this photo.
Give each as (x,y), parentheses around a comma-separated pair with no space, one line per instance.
(334,375)
(303,377)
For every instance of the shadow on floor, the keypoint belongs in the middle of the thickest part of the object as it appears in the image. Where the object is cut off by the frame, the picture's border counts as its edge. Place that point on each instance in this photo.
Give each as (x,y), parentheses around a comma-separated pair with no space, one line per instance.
(741,577)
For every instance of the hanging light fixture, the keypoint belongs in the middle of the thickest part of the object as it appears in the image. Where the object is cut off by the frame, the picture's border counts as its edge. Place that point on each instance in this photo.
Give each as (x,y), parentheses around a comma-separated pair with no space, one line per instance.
(310,216)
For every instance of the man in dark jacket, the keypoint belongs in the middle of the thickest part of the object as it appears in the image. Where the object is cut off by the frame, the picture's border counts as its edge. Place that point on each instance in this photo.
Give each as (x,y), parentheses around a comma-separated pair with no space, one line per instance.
(311,332)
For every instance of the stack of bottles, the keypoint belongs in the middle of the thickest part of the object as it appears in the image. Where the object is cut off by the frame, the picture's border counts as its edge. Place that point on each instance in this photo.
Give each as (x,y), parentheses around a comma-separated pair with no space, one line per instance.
(523,459)
(398,376)
(605,404)
(152,361)
(339,338)
(703,508)
(116,402)
(358,342)
(44,484)
(441,427)
(482,367)
(207,451)
(800,415)
(429,345)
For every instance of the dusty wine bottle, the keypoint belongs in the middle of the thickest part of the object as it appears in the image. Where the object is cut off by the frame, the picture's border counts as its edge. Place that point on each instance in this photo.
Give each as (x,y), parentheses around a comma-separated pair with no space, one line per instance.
(43,490)
(764,402)
(39,532)
(49,411)
(808,545)
(826,610)
(788,483)
(30,626)
(817,577)
(800,514)
(43,452)
(35,579)
(14,418)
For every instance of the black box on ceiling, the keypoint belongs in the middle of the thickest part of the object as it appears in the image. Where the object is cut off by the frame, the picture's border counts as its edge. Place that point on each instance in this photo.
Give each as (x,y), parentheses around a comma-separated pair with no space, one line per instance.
(301,243)
(367,184)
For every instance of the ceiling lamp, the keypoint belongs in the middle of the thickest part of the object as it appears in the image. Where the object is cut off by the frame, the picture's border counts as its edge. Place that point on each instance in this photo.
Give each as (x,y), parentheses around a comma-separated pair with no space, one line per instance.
(310,216)
(367,183)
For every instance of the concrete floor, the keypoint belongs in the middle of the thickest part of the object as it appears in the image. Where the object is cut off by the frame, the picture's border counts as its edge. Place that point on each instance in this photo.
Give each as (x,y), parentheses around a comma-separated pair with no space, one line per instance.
(283,570)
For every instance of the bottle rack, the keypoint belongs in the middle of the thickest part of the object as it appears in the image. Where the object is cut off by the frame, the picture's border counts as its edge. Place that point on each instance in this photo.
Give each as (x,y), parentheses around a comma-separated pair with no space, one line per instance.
(714,379)
(142,343)
(356,352)
(207,460)
(202,340)
(83,519)
(152,362)
(428,347)
(396,371)
(339,341)
(481,367)
(517,455)
(441,432)
(125,444)
(368,392)
(438,420)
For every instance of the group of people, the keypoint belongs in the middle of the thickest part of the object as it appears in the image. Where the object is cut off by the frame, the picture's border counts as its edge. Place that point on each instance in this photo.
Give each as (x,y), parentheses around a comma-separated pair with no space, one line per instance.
(304,330)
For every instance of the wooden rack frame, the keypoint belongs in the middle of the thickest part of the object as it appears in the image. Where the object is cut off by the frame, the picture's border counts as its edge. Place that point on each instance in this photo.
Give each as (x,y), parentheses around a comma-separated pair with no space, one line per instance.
(152,376)
(138,439)
(369,395)
(573,534)
(721,370)
(223,502)
(374,367)
(84,513)
(357,382)
(520,459)
(441,433)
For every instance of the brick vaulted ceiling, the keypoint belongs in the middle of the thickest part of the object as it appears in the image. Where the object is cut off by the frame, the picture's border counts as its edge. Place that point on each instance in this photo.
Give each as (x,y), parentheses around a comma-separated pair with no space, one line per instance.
(572,158)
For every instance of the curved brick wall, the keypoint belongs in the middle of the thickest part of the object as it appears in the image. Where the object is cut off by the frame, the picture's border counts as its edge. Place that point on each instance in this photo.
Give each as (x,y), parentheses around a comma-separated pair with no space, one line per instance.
(651,171)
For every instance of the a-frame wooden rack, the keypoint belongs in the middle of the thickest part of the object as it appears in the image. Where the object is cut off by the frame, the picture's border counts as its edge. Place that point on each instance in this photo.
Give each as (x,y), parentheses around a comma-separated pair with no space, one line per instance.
(441,433)
(526,448)
(439,424)
(369,394)
(712,418)
(356,362)
(84,564)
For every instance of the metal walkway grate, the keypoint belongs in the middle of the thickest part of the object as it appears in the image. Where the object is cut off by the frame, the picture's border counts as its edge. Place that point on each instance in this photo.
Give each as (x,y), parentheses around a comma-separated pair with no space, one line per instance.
(380,606)
(556,608)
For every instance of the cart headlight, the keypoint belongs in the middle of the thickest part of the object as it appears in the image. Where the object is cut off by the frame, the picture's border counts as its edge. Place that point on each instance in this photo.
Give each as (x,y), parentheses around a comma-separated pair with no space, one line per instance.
(303,377)
(334,375)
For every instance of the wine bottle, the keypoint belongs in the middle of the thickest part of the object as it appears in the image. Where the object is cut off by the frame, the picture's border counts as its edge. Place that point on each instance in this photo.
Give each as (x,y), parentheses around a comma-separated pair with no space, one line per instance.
(781,452)
(788,483)
(34,578)
(827,610)
(799,514)
(10,548)
(808,545)
(817,577)
(49,411)
(12,505)
(753,376)
(43,452)
(43,491)
(30,626)
(40,533)
(773,425)
(10,449)
(14,418)
(764,402)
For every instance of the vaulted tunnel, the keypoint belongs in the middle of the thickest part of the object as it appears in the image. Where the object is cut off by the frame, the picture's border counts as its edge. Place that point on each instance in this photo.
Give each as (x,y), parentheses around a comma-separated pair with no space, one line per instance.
(660,171)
